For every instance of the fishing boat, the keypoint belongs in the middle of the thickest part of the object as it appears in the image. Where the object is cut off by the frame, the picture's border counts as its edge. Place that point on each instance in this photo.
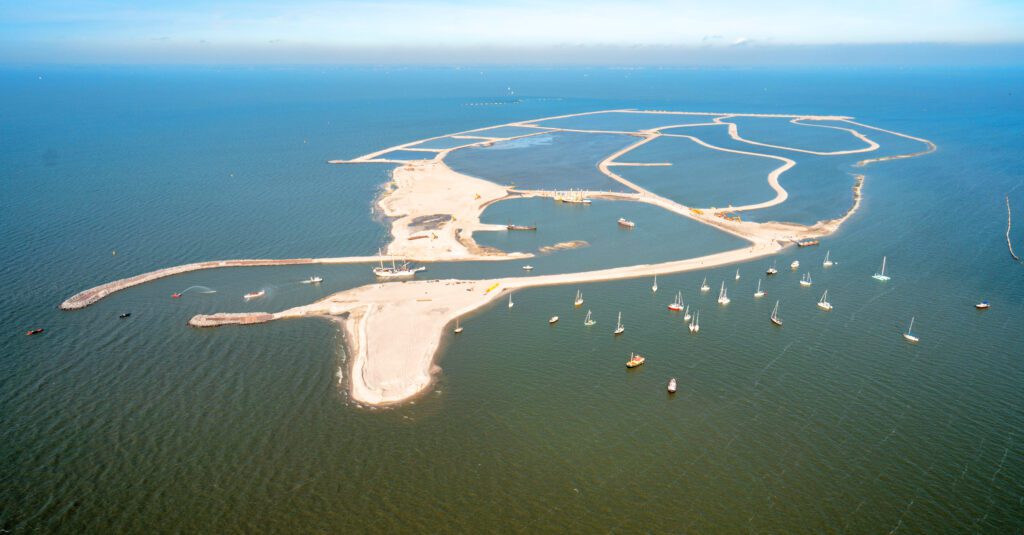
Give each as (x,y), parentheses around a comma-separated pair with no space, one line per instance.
(33,332)
(619,327)
(704,285)
(723,295)
(579,299)
(254,295)
(910,337)
(772,270)
(654,287)
(672,385)
(823,302)
(982,305)
(677,305)
(313,280)
(510,303)
(395,271)
(458,328)
(125,315)
(175,296)
(686,314)
(881,276)
(589,320)
(828,261)
(775,315)
(795,265)
(528,268)
(806,279)
(623,222)
(759,292)
(737,274)
(634,361)
(553,320)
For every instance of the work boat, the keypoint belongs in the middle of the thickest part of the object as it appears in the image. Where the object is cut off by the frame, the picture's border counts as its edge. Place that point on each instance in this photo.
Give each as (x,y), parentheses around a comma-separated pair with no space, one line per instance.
(827,262)
(881,276)
(634,361)
(775,315)
(772,270)
(704,285)
(254,295)
(654,287)
(313,280)
(672,385)
(619,327)
(589,320)
(723,295)
(806,279)
(686,314)
(623,222)
(677,305)
(910,337)
(579,299)
(823,302)
(395,271)
(759,292)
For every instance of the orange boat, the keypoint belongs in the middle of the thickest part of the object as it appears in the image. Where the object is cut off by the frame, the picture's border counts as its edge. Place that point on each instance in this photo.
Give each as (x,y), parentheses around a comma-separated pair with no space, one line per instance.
(634,361)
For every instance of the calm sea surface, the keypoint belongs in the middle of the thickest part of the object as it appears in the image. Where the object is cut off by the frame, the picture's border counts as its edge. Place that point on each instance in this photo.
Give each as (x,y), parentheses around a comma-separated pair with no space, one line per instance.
(830,424)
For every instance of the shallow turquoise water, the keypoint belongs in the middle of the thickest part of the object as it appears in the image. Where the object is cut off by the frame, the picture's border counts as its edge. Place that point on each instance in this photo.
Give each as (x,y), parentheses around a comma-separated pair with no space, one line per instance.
(805,136)
(624,121)
(832,423)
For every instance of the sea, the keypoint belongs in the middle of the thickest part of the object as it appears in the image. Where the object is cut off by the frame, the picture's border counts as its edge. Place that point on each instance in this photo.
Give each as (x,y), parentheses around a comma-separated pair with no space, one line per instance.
(832,423)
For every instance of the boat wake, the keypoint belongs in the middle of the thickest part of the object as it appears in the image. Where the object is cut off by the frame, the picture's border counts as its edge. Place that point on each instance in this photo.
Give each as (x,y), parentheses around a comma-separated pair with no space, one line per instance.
(200,289)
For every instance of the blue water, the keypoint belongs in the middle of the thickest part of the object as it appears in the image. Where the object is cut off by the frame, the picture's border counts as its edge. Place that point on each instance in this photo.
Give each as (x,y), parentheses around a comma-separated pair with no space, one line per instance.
(805,136)
(831,424)
(625,121)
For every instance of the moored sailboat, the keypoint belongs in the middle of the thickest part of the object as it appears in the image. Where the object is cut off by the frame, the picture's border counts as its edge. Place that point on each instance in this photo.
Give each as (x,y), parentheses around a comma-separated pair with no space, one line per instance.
(686,314)
(775,315)
(806,279)
(654,287)
(589,320)
(677,305)
(619,327)
(827,262)
(823,302)
(579,299)
(458,327)
(772,270)
(908,336)
(723,295)
(634,361)
(704,285)
(881,276)
(759,292)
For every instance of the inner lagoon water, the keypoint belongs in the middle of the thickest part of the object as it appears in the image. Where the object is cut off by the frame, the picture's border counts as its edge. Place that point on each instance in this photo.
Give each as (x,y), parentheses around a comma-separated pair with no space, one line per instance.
(832,423)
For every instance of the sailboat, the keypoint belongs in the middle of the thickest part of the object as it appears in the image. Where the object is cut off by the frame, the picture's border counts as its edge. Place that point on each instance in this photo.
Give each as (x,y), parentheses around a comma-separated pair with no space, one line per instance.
(827,262)
(395,271)
(759,292)
(579,299)
(723,295)
(910,337)
(881,276)
(619,327)
(737,274)
(806,279)
(823,302)
(510,303)
(458,328)
(589,320)
(677,305)
(772,270)
(695,326)
(654,287)
(686,315)
(704,285)
(775,315)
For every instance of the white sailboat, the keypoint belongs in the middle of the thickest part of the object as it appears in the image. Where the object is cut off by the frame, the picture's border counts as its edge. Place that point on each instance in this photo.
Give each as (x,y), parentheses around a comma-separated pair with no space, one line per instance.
(723,295)
(806,279)
(759,292)
(619,327)
(823,302)
(695,328)
(910,337)
(395,271)
(775,315)
(589,320)
(827,262)
(677,305)
(686,314)
(772,270)
(881,276)
(704,285)
(510,303)
(579,299)
(654,287)
(458,328)
(737,274)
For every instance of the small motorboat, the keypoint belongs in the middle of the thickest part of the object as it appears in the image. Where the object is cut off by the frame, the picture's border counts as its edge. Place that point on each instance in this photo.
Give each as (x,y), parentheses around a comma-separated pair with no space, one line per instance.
(795,265)
(175,296)
(634,361)
(772,270)
(672,385)
(254,295)
(623,222)
(528,268)
(982,305)
(553,320)
(34,332)
(125,315)
(313,280)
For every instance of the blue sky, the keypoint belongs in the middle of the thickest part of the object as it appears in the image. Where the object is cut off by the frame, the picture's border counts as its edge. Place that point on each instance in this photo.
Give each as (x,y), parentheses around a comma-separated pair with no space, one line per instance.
(365,31)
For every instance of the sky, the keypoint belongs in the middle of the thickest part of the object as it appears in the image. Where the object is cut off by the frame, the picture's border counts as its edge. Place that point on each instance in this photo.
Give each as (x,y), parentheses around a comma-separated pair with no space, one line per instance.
(511,31)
